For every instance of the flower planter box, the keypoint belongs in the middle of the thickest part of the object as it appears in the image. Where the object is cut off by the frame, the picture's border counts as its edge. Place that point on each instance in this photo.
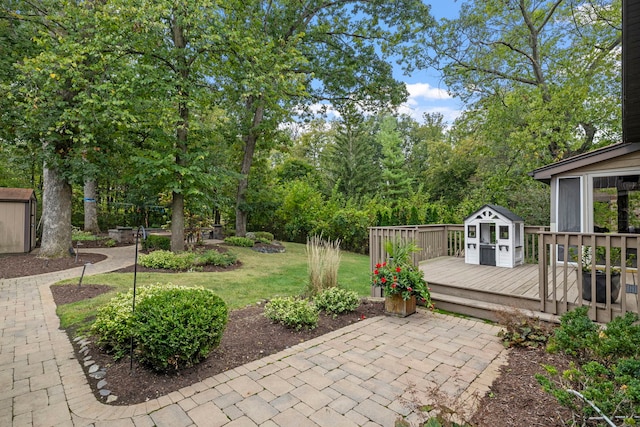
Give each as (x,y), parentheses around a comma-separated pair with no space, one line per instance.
(394,305)
(601,283)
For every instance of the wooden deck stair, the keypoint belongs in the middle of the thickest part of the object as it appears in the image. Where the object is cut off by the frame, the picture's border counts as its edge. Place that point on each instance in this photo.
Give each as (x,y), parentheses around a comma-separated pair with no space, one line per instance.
(479,290)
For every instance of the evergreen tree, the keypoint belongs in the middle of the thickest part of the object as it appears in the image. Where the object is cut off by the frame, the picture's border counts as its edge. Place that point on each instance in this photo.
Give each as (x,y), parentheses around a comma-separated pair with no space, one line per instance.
(349,164)
(396,181)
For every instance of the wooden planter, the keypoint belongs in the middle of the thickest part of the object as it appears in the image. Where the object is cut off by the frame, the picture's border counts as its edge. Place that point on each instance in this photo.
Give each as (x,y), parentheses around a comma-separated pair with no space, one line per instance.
(394,305)
(601,286)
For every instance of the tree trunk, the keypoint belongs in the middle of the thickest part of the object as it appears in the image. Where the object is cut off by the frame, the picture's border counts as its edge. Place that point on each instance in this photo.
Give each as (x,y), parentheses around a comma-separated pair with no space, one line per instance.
(56,215)
(250,141)
(182,130)
(90,207)
(177,222)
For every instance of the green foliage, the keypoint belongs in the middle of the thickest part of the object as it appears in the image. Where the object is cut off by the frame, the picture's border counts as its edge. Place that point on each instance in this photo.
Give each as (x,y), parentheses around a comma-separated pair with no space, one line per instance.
(213,257)
(82,236)
(300,210)
(292,312)
(260,236)
(350,225)
(168,260)
(607,371)
(114,321)
(186,260)
(522,331)
(110,243)
(154,242)
(239,241)
(337,300)
(400,250)
(264,235)
(577,334)
(177,328)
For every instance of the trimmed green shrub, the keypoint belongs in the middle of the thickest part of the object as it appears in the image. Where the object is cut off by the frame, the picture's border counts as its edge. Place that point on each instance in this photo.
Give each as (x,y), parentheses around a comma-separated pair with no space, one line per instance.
(114,321)
(177,328)
(264,235)
(337,301)
(576,334)
(168,260)
(239,241)
(292,312)
(155,242)
(213,257)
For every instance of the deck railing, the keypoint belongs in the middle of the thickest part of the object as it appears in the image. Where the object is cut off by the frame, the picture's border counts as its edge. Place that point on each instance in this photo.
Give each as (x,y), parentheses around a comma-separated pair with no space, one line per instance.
(438,240)
(566,259)
(434,241)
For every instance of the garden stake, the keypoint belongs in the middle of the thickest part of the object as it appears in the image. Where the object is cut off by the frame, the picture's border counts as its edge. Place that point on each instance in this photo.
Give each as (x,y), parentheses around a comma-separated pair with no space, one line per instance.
(84,267)
(135,273)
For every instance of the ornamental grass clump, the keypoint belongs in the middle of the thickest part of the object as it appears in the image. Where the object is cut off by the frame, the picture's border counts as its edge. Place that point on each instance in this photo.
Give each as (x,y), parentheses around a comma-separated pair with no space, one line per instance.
(323,261)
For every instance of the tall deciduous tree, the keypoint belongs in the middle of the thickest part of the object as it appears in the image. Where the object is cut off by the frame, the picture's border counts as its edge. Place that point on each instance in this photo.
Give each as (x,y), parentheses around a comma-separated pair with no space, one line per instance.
(558,59)
(175,47)
(59,93)
(330,51)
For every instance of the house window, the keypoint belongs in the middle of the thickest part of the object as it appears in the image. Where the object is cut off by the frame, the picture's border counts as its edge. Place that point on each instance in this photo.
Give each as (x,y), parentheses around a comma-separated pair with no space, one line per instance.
(616,204)
(472,232)
(569,211)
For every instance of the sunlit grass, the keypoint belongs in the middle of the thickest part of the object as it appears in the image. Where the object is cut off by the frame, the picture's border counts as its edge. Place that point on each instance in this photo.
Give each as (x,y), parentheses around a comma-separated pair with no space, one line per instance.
(261,276)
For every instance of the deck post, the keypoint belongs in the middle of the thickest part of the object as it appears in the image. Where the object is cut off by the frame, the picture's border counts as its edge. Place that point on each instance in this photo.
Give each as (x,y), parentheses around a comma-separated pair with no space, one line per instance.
(543,275)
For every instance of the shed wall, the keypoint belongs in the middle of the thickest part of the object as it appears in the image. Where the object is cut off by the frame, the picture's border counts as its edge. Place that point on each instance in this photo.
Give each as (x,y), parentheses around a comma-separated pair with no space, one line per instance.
(12,227)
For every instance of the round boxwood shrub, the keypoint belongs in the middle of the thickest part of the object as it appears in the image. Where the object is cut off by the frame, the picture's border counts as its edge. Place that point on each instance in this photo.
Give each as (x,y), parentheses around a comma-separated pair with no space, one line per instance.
(114,321)
(177,328)
(292,312)
(337,300)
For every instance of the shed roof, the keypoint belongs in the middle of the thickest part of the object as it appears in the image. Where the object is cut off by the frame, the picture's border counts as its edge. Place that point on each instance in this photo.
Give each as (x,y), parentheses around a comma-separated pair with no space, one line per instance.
(609,152)
(502,211)
(16,194)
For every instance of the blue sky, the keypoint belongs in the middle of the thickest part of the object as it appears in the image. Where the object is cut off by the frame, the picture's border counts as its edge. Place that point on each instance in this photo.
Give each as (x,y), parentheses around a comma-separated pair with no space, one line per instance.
(427,92)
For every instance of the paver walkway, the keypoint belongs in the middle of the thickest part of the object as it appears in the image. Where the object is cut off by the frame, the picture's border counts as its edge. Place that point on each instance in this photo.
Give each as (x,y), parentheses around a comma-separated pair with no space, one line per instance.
(368,374)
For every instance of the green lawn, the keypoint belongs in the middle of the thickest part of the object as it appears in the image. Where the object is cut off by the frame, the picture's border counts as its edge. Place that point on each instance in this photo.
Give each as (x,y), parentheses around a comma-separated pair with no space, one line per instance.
(261,276)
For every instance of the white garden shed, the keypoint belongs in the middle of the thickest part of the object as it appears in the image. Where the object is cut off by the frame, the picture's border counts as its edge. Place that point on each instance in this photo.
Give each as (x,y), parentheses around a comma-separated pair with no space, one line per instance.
(494,236)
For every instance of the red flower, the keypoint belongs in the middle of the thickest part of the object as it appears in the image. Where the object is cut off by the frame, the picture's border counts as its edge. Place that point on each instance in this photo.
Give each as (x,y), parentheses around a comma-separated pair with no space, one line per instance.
(384,264)
(383,280)
(378,265)
(398,269)
(409,288)
(394,285)
(375,271)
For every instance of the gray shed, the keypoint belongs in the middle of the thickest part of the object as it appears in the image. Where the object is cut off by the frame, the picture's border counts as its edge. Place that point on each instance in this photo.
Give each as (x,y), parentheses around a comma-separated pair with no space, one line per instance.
(494,236)
(17,220)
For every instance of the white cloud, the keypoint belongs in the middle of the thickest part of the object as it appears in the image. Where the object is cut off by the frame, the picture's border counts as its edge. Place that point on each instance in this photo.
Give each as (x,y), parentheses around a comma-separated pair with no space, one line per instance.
(425,91)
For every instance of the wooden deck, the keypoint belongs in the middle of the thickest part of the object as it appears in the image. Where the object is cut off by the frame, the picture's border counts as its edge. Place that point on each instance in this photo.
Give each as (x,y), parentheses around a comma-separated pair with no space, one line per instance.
(512,287)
